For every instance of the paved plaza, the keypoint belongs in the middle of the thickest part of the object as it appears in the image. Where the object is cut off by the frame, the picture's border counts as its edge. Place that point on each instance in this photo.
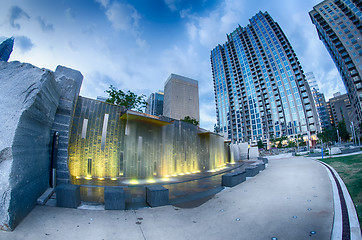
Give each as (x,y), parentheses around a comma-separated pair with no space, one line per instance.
(291,199)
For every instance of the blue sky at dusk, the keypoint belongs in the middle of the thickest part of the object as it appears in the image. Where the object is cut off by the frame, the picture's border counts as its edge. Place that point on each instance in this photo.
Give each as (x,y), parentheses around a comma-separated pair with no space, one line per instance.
(136,44)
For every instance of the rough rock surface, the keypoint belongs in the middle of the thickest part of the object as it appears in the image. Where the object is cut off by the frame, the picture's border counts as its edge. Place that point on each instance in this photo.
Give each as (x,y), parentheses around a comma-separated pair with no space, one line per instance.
(69,81)
(29,97)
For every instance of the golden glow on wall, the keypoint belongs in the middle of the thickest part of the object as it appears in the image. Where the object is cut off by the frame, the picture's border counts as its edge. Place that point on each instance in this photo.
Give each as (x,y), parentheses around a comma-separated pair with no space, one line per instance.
(137,146)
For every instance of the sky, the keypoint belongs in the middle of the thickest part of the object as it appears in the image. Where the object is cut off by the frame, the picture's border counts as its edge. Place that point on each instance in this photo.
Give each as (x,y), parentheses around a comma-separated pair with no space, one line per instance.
(136,44)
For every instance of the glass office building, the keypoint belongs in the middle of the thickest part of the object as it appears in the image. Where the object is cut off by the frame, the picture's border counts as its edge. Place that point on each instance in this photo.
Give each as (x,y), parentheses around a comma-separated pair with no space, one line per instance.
(339,26)
(155,104)
(260,89)
(6,48)
(319,101)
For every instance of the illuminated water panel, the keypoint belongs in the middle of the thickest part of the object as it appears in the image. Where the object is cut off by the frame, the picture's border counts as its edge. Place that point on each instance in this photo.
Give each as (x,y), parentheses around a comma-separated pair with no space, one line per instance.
(105,144)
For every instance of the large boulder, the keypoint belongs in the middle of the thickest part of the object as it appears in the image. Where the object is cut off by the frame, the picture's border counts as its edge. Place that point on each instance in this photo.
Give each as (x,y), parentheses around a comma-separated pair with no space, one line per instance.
(29,99)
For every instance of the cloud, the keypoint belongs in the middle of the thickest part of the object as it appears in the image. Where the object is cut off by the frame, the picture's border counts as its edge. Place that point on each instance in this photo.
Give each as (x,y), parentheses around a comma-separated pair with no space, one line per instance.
(210,30)
(207,114)
(124,17)
(97,83)
(72,46)
(17,13)
(45,27)
(104,3)
(24,43)
(69,14)
(172,4)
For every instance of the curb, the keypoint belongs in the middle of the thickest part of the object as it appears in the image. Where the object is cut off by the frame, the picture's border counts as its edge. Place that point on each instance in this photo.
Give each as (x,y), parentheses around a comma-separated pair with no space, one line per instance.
(345,223)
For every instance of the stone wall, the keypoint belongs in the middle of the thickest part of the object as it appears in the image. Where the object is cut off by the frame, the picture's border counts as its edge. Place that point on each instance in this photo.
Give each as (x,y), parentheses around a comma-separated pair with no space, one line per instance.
(29,99)
(69,82)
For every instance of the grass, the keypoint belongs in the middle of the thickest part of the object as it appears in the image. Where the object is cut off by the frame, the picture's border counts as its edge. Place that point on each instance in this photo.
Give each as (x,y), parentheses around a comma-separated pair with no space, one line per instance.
(350,170)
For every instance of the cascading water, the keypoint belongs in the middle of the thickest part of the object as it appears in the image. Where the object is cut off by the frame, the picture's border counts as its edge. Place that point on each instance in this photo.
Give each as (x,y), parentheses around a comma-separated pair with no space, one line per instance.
(106,145)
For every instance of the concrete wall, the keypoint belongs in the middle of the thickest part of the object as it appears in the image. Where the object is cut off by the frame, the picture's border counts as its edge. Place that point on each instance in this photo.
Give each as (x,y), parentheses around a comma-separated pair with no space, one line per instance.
(29,99)
(181,98)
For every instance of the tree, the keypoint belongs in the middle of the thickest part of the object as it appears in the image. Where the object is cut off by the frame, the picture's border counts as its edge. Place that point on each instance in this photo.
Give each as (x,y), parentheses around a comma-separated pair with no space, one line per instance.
(328,135)
(129,100)
(342,129)
(291,144)
(190,120)
(260,144)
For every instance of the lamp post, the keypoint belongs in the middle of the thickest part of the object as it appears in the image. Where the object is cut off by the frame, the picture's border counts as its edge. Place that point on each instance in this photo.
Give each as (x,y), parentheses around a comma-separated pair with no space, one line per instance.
(249,142)
(298,142)
(322,148)
(337,137)
(353,134)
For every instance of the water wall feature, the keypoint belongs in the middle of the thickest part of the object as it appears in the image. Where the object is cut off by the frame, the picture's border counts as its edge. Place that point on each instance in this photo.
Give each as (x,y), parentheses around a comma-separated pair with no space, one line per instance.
(108,143)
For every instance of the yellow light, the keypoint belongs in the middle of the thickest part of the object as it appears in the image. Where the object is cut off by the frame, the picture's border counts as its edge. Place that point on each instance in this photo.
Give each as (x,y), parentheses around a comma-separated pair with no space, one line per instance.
(198,171)
(134,181)
(188,173)
(181,174)
(194,172)
(113,178)
(151,180)
(88,178)
(174,175)
(212,170)
(167,176)
(78,177)
(101,178)
(165,179)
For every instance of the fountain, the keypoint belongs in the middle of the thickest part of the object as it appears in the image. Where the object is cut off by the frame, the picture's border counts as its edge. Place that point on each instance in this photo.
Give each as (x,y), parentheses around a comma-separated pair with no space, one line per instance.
(109,146)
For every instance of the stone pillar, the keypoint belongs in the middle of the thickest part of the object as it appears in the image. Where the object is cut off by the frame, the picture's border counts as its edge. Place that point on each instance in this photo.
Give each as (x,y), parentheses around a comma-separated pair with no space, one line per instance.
(69,82)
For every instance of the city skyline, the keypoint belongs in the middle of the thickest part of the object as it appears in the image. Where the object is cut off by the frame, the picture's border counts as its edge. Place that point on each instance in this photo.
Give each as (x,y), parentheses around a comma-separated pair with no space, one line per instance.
(135,45)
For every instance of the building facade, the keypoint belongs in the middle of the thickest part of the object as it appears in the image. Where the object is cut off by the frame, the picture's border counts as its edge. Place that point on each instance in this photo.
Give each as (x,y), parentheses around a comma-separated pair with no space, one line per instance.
(341,109)
(319,101)
(155,104)
(181,97)
(260,88)
(6,48)
(339,26)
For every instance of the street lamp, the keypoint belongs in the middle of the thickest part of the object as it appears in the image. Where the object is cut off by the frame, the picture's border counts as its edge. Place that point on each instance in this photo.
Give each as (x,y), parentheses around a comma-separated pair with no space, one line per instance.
(338,137)
(249,142)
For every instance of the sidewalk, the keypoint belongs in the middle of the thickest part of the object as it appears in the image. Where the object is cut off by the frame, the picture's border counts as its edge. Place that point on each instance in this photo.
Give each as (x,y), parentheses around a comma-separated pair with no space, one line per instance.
(291,199)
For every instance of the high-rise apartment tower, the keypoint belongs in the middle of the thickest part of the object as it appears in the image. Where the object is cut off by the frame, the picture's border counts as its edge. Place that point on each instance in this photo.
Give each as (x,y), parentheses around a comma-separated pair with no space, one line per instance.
(6,47)
(340,109)
(339,26)
(260,88)
(181,98)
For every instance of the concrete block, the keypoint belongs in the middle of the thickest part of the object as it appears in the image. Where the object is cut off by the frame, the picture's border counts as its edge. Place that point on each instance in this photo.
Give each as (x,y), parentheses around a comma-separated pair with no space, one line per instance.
(335,150)
(68,195)
(233,179)
(114,198)
(254,152)
(261,166)
(156,196)
(251,171)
